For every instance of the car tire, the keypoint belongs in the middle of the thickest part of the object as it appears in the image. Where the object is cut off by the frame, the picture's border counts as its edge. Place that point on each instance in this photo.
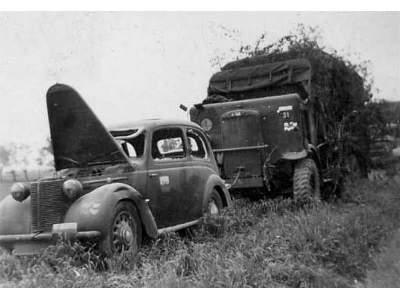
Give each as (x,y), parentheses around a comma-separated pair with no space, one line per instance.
(214,223)
(214,204)
(306,183)
(124,232)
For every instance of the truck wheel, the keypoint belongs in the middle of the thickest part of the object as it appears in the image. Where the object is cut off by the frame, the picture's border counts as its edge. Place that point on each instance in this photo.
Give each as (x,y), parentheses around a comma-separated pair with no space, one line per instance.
(306,184)
(124,233)
(214,204)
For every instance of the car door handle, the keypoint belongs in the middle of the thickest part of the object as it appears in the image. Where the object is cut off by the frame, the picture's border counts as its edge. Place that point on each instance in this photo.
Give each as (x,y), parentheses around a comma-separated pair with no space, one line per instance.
(153,174)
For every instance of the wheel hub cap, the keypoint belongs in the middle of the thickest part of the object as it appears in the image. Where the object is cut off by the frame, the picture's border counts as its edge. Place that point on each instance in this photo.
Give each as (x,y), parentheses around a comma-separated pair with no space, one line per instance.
(125,234)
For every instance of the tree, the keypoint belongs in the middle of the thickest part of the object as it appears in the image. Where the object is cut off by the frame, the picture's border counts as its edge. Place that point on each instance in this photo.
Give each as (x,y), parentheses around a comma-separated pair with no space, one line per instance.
(4,156)
(46,154)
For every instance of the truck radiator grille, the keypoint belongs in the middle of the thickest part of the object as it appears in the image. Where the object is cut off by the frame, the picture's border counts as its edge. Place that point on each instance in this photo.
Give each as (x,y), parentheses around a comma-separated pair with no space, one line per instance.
(49,204)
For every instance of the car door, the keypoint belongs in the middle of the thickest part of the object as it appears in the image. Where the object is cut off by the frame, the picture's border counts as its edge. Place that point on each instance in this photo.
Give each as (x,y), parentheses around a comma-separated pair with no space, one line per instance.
(202,167)
(167,176)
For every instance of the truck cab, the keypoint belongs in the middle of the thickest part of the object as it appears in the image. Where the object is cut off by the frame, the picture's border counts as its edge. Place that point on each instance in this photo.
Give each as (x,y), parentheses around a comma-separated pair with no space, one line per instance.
(249,136)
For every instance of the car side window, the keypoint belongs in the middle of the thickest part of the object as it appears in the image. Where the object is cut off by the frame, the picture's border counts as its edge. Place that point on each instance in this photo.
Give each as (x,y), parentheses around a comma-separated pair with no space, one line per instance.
(168,144)
(133,147)
(197,144)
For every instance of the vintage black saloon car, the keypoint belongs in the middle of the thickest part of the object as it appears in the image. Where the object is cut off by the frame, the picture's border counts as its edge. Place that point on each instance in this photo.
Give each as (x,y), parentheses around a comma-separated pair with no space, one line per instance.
(113,185)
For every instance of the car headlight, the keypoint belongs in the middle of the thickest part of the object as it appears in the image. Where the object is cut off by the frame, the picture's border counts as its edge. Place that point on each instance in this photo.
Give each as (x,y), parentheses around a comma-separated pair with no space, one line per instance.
(72,188)
(20,191)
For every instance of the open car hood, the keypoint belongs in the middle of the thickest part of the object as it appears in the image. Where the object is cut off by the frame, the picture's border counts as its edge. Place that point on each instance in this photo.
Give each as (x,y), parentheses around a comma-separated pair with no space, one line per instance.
(79,139)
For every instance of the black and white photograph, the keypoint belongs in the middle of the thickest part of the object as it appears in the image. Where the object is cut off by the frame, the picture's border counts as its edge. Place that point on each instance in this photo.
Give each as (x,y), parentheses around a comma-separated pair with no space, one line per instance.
(199,149)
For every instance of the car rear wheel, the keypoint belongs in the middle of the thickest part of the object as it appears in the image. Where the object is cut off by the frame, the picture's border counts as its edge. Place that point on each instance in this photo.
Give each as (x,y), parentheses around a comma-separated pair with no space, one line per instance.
(213,222)
(306,183)
(124,233)
(214,204)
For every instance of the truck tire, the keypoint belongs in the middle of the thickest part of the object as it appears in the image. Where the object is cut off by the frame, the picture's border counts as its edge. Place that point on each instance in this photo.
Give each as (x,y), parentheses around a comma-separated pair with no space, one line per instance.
(306,183)
(124,232)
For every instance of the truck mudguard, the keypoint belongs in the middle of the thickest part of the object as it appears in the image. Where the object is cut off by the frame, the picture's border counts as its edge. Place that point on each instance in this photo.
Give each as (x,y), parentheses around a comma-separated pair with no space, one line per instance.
(314,154)
(93,210)
(294,155)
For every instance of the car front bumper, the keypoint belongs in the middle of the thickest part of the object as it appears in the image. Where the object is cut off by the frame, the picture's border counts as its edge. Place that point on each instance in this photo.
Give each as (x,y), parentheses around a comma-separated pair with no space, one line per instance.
(33,243)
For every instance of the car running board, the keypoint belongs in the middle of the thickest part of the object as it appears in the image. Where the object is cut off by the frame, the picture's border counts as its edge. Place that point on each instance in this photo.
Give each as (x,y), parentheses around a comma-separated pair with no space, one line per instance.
(178,227)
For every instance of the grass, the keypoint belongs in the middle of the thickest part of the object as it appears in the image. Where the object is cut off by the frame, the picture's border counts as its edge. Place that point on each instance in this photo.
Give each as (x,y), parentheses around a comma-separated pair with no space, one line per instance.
(254,244)
(387,271)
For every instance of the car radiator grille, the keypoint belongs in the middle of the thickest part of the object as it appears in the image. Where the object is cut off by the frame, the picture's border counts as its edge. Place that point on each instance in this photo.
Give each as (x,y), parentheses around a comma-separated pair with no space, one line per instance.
(49,204)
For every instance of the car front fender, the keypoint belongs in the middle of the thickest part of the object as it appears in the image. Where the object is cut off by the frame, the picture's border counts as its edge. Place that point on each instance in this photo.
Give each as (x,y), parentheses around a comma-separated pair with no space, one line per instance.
(93,211)
(15,217)
(215,182)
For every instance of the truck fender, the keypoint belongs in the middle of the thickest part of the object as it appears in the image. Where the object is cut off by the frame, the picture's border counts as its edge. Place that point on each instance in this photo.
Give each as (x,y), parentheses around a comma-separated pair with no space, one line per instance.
(294,155)
(15,217)
(314,154)
(215,182)
(93,210)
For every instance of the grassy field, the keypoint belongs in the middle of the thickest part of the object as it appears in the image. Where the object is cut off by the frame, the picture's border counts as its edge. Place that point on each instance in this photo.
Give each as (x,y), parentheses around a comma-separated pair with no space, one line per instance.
(255,244)
(387,271)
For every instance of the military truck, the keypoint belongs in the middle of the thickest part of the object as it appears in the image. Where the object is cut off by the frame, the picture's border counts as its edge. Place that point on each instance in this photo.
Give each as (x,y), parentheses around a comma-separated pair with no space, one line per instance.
(270,124)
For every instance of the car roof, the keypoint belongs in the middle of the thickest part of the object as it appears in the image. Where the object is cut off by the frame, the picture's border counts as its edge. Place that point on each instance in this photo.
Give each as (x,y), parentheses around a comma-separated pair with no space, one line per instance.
(151,123)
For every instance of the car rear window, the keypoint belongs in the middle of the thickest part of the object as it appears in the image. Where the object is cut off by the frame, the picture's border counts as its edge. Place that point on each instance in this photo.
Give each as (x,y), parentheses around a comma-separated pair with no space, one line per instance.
(168,144)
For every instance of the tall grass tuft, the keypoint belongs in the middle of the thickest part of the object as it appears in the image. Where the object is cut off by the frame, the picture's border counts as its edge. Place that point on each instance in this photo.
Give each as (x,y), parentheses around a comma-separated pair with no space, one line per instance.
(254,244)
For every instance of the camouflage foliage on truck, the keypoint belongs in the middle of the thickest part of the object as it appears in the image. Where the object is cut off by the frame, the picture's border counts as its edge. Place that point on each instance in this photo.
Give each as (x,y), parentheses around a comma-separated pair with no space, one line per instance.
(338,89)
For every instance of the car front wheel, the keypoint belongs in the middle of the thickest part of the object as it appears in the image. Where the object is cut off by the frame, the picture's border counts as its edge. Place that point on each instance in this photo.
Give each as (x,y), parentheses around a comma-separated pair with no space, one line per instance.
(124,233)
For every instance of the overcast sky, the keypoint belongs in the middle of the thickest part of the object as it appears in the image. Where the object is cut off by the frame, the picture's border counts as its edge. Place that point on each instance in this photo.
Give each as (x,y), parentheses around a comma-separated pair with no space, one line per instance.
(141,65)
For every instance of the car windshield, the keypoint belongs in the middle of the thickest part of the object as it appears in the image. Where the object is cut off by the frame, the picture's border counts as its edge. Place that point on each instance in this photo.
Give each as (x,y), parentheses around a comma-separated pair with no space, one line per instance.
(131,141)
